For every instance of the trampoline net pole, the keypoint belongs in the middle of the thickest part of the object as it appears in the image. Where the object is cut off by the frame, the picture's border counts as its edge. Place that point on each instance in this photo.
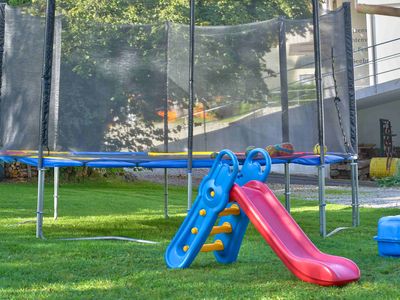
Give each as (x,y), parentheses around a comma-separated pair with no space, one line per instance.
(166,129)
(283,71)
(45,109)
(191,102)
(2,31)
(321,129)
(56,185)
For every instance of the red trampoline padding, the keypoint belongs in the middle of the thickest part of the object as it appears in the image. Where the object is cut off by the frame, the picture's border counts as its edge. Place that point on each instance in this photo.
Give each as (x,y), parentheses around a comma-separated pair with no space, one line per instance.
(287,239)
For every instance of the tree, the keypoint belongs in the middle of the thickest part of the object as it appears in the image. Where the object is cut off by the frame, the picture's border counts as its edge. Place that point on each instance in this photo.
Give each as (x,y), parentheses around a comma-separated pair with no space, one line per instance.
(208,12)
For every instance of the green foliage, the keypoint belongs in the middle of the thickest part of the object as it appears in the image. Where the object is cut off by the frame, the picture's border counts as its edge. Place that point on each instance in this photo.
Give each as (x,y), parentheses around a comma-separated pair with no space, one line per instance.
(57,269)
(18,2)
(208,12)
(85,174)
(389,181)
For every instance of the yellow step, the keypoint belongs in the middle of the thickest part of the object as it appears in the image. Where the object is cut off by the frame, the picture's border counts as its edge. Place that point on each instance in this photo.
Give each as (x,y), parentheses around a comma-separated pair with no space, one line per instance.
(226,227)
(216,246)
(233,210)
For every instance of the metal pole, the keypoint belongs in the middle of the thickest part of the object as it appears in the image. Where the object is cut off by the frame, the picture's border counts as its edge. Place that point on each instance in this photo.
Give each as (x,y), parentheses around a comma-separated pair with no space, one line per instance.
(322,202)
(350,78)
(284,102)
(166,193)
(374,55)
(56,185)
(287,187)
(166,129)
(321,129)
(44,109)
(191,103)
(354,194)
(353,110)
(40,204)
(283,81)
(2,31)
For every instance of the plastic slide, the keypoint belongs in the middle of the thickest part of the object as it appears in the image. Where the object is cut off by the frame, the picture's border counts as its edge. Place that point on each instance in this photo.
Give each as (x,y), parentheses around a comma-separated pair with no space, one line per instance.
(287,239)
(212,203)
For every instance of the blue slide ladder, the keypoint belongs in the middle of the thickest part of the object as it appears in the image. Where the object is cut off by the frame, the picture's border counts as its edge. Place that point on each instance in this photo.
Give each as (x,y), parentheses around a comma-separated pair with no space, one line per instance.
(212,202)
(251,170)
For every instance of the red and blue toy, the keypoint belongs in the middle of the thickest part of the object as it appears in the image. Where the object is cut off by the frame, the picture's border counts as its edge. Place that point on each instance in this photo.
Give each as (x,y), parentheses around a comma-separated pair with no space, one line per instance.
(239,196)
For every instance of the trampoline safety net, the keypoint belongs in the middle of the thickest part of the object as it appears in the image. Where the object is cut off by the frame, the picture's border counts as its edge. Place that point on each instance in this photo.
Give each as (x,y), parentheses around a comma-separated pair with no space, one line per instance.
(125,87)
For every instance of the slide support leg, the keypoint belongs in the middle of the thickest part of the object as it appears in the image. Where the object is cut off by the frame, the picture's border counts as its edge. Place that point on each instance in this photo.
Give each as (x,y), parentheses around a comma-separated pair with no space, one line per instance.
(322,202)
(287,187)
(354,194)
(56,185)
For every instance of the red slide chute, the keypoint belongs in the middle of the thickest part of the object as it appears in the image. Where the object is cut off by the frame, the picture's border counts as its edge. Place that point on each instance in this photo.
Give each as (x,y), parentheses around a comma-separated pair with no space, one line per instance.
(287,239)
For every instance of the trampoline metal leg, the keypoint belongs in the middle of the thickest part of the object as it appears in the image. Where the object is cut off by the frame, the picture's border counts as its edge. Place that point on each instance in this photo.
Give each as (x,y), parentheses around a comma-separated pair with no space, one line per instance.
(322,203)
(40,204)
(354,194)
(166,193)
(56,185)
(190,191)
(287,187)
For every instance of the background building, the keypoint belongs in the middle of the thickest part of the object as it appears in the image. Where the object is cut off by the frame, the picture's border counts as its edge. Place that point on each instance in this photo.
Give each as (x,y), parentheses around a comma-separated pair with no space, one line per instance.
(376,42)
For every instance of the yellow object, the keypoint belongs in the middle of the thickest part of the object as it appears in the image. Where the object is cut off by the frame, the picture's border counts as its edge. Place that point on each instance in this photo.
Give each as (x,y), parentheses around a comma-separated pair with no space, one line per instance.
(179,153)
(226,227)
(216,246)
(233,210)
(195,230)
(212,193)
(64,158)
(185,248)
(202,212)
(378,167)
(35,152)
(317,149)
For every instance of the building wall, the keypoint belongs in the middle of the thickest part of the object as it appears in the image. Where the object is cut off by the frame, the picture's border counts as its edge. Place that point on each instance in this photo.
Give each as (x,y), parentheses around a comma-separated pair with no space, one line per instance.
(368,122)
(383,29)
(377,64)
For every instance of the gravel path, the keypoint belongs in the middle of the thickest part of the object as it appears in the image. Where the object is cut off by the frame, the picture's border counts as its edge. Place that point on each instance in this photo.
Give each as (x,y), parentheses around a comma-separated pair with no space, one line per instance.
(369,196)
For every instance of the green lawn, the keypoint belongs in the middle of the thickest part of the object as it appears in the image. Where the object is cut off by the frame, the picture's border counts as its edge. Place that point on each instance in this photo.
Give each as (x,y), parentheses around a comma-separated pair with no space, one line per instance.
(36,269)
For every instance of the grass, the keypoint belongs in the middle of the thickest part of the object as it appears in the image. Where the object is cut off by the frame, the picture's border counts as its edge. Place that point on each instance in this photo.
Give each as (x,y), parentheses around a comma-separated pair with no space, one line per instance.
(55,269)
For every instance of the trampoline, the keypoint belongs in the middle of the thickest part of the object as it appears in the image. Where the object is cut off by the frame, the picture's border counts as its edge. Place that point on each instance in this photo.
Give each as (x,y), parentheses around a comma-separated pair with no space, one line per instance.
(152,159)
(164,95)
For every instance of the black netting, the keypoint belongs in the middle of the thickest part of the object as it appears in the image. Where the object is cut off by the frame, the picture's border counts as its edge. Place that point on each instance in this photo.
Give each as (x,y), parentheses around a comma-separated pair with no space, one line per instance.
(234,69)
(21,81)
(114,86)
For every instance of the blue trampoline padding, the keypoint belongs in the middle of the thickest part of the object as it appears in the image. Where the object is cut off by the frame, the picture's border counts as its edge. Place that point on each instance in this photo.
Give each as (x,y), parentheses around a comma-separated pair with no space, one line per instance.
(110,164)
(314,160)
(279,160)
(50,162)
(7,159)
(116,161)
(177,164)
